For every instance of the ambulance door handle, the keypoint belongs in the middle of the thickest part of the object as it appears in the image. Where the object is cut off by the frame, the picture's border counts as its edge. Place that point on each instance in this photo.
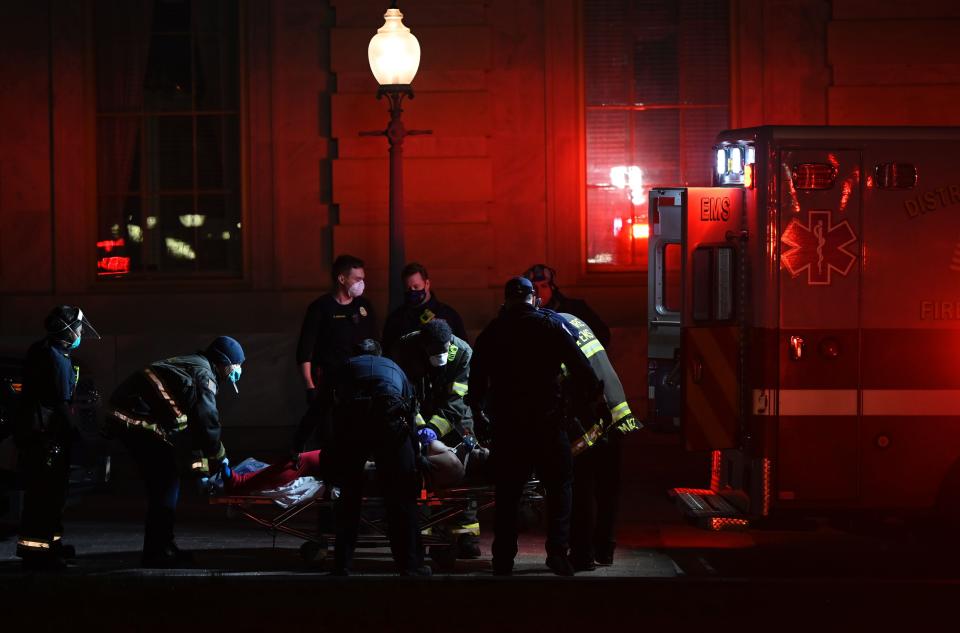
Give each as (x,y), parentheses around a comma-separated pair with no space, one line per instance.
(697,370)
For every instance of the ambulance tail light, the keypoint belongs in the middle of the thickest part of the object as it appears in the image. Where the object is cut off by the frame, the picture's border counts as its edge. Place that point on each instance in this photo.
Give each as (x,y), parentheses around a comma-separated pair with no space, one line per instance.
(814,176)
(748,175)
(895,176)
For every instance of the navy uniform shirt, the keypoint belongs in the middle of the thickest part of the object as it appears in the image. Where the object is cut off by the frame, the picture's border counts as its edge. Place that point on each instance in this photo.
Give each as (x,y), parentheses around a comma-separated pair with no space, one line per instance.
(49,381)
(406,319)
(516,365)
(331,330)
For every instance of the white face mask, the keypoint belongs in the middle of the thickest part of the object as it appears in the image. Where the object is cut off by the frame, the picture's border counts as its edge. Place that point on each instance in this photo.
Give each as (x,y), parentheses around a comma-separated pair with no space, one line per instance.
(439,360)
(356,289)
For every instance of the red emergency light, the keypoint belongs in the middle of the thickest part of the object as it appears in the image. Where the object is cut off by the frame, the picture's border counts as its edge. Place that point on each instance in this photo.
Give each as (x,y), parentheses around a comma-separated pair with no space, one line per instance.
(814,176)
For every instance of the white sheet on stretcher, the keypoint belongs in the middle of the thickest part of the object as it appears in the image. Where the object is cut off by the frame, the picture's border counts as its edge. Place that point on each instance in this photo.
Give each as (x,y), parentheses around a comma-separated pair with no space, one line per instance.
(300,489)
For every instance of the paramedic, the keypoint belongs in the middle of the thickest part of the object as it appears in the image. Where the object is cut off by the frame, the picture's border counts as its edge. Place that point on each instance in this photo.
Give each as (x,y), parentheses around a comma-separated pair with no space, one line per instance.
(373,415)
(332,326)
(45,427)
(166,416)
(544,280)
(597,457)
(515,377)
(420,306)
(437,363)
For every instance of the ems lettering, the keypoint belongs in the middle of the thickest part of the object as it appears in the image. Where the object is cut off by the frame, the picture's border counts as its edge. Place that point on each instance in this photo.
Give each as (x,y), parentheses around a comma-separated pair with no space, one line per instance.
(714,209)
(940,310)
(928,201)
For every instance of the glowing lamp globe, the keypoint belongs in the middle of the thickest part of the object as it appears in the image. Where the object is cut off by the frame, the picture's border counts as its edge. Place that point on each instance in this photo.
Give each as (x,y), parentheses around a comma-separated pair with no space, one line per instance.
(394,52)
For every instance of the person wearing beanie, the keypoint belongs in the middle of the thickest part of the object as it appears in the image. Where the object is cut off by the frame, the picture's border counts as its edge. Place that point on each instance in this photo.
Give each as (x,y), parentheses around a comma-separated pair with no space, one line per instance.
(44,428)
(166,416)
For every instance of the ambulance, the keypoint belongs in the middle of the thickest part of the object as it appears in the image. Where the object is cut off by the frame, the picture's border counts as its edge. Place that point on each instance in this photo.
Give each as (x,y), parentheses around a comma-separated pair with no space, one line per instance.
(805,322)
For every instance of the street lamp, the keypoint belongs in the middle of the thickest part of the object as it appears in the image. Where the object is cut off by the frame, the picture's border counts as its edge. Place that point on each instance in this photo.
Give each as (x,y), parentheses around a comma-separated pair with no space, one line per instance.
(394,55)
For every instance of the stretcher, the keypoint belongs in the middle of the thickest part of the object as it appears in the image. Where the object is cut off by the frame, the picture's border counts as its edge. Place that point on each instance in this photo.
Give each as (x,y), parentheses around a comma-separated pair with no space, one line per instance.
(437,511)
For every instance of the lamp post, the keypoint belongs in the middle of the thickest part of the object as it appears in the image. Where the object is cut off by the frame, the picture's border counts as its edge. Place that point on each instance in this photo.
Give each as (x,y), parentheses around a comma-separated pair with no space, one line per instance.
(394,55)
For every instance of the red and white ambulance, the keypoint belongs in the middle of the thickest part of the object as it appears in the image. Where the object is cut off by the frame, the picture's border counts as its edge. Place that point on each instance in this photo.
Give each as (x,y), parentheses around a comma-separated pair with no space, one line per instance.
(816,318)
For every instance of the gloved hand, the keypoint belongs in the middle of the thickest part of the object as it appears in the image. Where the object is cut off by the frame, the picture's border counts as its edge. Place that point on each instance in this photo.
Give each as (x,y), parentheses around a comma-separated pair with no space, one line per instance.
(225,468)
(311,395)
(426,435)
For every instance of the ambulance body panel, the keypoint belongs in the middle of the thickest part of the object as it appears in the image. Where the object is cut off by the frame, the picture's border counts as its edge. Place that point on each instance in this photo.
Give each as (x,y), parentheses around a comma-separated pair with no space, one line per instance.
(820,322)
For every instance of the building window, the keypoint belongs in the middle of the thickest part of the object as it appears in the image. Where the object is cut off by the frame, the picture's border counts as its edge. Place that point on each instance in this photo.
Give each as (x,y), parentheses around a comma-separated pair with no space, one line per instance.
(656,88)
(168,148)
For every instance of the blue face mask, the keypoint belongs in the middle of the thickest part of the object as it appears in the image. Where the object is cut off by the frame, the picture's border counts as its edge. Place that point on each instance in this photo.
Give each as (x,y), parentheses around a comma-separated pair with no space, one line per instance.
(75,344)
(234,374)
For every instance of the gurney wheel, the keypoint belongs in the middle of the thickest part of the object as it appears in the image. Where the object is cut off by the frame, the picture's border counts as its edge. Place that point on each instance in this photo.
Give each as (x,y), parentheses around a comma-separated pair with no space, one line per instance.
(313,552)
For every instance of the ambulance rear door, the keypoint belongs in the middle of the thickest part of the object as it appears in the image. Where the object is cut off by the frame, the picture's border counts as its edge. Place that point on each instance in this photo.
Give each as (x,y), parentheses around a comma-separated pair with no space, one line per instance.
(711,414)
(664,298)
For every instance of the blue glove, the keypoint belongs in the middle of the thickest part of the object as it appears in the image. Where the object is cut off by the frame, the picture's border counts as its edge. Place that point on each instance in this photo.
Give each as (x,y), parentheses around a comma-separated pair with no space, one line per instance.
(225,468)
(426,435)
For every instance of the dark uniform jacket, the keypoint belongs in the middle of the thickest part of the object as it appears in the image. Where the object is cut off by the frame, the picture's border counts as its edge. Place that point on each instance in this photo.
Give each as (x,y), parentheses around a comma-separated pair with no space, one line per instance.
(440,391)
(406,319)
(372,394)
(516,366)
(621,418)
(175,400)
(330,332)
(49,381)
(579,308)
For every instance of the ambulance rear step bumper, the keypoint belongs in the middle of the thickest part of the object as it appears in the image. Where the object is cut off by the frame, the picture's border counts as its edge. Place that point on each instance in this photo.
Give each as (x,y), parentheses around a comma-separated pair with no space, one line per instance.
(709,509)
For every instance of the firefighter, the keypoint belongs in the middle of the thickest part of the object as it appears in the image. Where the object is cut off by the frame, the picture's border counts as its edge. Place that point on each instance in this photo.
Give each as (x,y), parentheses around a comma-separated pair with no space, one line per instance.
(437,363)
(544,280)
(334,324)
(45,428)
(166,416)
(373,413)
(514,377)
(597,457)
(420,306)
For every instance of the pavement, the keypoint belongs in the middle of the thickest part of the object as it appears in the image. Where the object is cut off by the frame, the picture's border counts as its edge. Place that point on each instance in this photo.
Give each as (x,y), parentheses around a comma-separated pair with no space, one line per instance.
(813,572)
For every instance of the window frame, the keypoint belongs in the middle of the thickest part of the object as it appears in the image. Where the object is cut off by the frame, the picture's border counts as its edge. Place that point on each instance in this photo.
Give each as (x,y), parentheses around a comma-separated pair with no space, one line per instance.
(172,281)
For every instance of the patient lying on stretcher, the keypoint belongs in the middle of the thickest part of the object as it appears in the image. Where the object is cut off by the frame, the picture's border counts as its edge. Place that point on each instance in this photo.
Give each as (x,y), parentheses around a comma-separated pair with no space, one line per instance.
(294,480)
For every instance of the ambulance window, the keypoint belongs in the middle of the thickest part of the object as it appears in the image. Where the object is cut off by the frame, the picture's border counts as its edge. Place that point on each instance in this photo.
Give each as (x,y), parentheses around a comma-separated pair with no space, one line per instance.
(713,285)
(670,278)
(702,283)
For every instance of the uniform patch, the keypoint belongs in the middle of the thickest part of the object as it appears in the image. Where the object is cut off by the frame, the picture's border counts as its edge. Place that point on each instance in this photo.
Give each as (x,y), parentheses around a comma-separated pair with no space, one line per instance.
(427,316)
(363,311)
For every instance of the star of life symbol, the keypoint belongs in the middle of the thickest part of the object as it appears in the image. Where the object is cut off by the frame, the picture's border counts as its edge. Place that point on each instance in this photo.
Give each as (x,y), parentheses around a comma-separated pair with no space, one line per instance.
(818,247)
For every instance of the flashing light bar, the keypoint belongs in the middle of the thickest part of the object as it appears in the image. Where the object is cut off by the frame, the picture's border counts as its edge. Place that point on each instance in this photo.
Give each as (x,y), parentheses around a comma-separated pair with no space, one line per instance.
(735,164)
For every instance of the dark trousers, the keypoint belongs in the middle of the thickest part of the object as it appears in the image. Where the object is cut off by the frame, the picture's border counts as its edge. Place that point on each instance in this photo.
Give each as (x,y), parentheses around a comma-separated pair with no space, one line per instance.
(596,495)
(158,467)
(400,483)
(45,467)
(548,453)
